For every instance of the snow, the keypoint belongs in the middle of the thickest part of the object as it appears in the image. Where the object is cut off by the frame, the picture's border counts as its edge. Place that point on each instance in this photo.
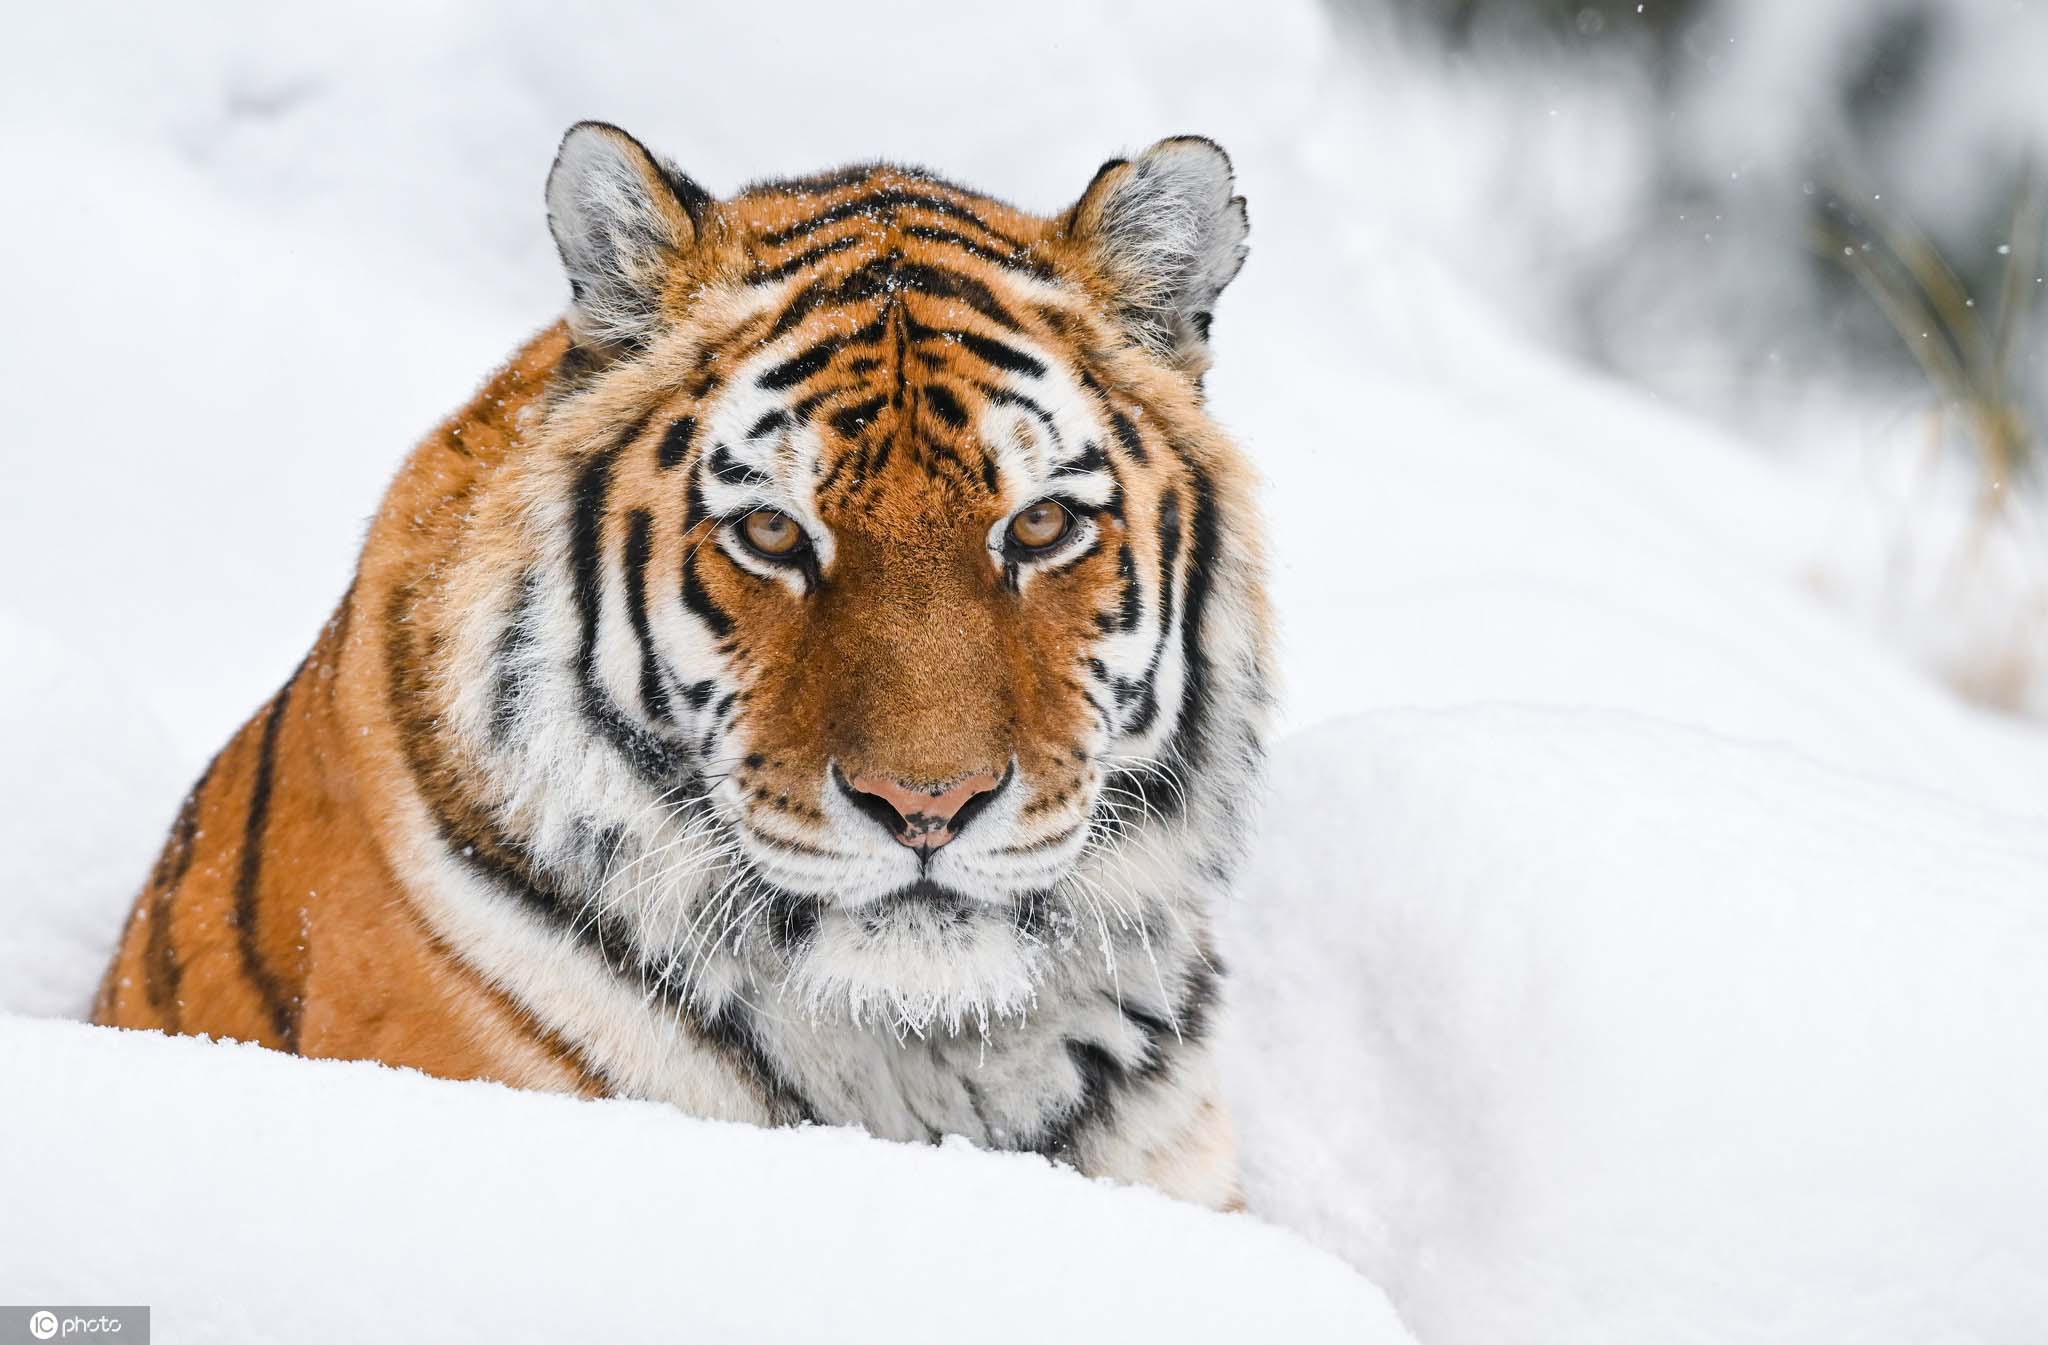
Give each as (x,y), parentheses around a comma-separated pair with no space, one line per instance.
(92,785)
(1631,1032)
(248,1196)
(1636,949)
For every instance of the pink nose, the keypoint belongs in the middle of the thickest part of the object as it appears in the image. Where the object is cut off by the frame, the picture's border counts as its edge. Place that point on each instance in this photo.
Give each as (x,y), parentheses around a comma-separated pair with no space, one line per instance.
(923,819)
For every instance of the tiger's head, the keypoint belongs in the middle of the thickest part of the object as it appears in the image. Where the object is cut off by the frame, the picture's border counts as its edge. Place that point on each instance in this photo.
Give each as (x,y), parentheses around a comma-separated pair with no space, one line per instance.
(892,611)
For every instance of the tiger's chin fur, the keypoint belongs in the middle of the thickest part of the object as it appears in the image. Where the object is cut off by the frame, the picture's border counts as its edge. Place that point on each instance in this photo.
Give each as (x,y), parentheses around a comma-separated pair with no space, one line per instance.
(822,679)
(913,965)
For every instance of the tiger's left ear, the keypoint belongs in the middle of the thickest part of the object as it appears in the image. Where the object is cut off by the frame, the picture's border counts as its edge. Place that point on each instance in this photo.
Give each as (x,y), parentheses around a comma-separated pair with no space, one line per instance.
(1167,232)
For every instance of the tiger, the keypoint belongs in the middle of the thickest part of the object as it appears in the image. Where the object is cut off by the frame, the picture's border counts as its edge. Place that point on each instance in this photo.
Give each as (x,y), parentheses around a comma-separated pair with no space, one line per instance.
(821,679)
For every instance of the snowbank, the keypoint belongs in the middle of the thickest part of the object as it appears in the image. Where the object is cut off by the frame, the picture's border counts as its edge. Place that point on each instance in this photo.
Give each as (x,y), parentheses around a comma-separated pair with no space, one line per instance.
(1581,1027)
(246,1196)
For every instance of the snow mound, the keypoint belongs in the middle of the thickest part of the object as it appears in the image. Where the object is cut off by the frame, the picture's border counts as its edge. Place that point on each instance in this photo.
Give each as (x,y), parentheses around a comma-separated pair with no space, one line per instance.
(1579,1026)
(246,1195)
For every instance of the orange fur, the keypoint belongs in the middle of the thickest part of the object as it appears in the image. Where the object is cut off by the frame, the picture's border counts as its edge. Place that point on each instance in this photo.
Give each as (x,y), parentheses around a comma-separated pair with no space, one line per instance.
(287,924)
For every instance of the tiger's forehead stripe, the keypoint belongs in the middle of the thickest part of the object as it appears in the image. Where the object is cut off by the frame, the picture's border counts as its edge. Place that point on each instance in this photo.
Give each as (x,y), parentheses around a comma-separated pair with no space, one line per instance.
(879,278)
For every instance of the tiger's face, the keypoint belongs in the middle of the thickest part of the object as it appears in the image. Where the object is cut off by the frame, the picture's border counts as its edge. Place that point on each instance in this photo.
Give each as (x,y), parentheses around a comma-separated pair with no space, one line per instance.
(912,583)
(920,582)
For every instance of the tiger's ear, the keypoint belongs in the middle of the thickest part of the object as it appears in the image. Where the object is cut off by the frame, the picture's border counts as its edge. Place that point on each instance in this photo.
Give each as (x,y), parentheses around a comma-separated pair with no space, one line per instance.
(1167,232)
(620,217)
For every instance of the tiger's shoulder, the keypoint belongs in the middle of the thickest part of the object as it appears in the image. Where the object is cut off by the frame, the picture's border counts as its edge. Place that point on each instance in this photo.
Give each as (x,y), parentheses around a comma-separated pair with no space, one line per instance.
(271,914)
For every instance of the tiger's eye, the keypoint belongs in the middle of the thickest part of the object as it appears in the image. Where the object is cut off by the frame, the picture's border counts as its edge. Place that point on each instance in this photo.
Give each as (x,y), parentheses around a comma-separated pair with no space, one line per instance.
(771,532)
(1039,526)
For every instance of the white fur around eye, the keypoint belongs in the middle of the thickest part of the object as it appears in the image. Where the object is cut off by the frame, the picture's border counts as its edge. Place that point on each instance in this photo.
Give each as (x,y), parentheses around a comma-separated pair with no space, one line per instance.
(1080,536)
(791,573)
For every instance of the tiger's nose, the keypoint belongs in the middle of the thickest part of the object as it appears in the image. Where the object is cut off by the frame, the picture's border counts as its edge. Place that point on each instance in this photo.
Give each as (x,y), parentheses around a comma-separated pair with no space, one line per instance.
(917,816)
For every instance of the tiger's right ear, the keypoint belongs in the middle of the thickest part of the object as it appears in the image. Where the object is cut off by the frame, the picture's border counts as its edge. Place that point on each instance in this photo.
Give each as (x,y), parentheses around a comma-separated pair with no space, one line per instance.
(621,217)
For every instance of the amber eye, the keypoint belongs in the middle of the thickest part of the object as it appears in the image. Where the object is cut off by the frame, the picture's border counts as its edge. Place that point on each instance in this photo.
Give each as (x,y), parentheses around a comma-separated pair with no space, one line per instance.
(772,532)
(1040,525)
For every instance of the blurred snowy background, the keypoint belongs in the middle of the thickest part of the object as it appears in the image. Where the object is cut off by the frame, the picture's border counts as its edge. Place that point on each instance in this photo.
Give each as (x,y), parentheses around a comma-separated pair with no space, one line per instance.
(1817,224)
(1647,939)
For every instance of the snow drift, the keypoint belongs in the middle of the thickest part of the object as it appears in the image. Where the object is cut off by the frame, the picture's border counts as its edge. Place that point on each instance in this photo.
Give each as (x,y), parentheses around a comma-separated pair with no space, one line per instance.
(246,1196)
(1578,1026)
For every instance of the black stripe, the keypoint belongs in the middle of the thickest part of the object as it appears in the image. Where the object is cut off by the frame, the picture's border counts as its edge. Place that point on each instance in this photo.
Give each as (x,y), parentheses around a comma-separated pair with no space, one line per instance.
(1189,1025)
(730,1029)
(1000,355)
(639,546)
(249,880)
(701,602)
(1013,260)
(943,282)
(856,460)
(586,530)
(162,971)
(801,411)
(1090,459)
(867,281)
(1127,435)
(819,184)
(799,367)
(1148,705)
(1000,396)
(1105,1079)
(729,469)
(1188,749)
(1190,742)
(766,274)
(675,442)
(849,421)
(942,403)
(1025,402)
(656,760)
(1131,608)
(176,858)
(693,198)
(1101,1076)
(884,276)
(1130,603)
(877,205)
(511,660)
(806,363)
(695,510)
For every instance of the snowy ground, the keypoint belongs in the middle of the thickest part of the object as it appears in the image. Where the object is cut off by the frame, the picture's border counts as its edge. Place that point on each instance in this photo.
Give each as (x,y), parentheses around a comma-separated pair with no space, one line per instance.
(1636,949)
